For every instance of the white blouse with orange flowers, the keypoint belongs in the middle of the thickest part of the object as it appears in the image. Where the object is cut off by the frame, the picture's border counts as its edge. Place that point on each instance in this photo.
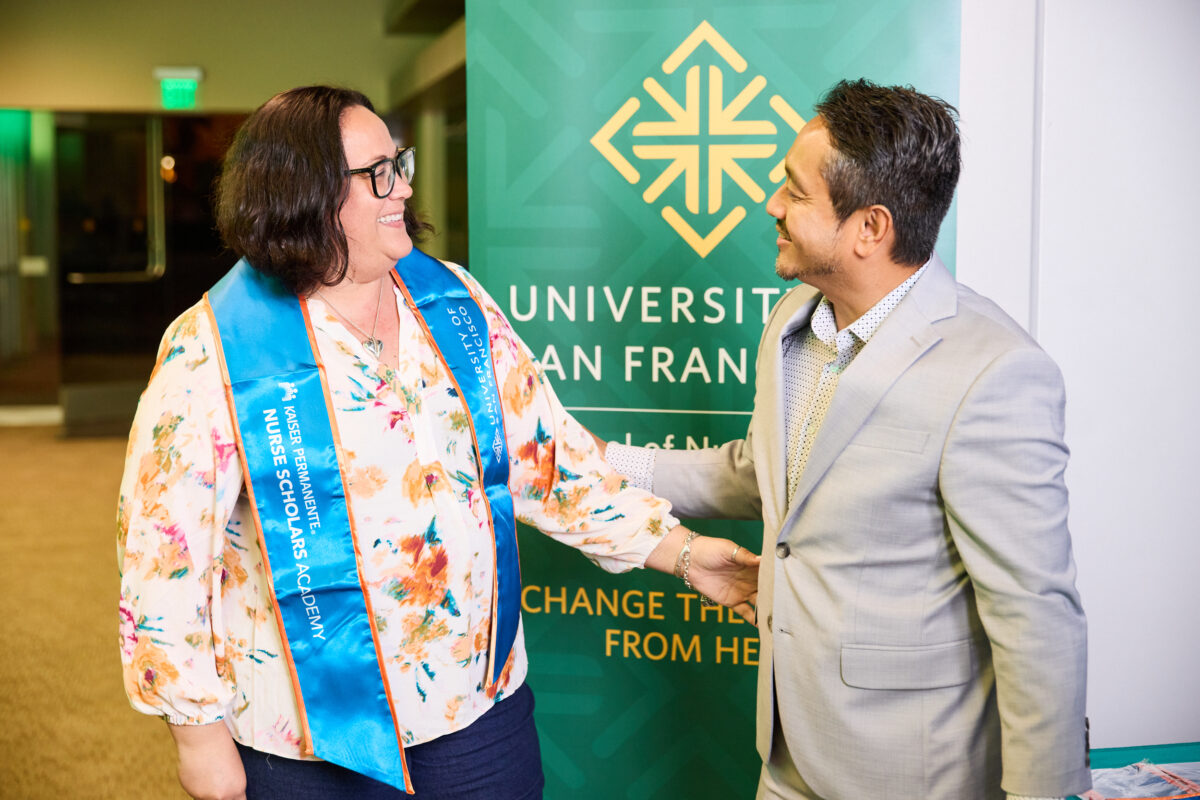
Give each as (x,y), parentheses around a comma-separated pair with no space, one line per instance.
(199,640)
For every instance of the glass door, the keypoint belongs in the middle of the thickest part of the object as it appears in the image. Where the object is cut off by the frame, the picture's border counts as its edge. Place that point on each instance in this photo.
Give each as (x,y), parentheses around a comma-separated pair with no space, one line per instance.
(137,246)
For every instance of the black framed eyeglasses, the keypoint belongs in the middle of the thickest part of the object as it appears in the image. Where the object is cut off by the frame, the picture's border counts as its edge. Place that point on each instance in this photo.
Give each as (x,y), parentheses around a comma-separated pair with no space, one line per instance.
(383,173)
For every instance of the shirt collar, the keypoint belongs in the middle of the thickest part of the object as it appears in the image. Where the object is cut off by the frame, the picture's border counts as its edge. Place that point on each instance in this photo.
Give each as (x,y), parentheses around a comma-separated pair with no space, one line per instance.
(865,326)
(823,323)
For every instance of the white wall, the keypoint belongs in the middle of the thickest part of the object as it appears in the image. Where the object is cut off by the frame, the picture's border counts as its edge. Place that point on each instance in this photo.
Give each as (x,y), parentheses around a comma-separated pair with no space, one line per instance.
(1077,209)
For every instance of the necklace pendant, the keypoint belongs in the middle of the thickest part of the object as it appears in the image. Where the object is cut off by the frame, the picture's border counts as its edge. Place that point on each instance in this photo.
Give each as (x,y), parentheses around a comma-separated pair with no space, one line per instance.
(374,346)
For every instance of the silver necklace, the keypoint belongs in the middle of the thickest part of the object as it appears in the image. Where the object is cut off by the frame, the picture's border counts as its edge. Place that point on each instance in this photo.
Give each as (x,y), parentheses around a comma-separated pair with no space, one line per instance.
(373,345)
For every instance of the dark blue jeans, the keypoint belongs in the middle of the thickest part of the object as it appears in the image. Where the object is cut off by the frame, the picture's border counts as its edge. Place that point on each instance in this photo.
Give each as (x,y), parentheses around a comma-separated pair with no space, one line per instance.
(496,757)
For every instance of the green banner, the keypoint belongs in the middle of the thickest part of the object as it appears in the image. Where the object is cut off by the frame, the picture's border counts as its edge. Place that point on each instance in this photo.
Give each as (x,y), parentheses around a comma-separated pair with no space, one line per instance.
(620,158)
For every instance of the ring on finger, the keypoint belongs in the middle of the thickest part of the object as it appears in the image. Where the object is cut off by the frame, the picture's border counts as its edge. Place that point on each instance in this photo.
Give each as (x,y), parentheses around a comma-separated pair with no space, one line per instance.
(736,548)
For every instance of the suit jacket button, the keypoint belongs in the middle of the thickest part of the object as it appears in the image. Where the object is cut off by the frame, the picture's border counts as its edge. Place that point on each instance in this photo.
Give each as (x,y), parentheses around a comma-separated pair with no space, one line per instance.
(770,622)
(782,550)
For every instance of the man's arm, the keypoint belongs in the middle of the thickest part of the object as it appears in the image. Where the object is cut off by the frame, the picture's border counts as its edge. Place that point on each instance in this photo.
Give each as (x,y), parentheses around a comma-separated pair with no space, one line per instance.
(716,483)
(722,483)
(1001,482)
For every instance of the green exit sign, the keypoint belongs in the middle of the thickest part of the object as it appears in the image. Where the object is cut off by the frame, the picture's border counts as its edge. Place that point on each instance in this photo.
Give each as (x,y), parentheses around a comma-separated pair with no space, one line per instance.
(178,93)
(178,86)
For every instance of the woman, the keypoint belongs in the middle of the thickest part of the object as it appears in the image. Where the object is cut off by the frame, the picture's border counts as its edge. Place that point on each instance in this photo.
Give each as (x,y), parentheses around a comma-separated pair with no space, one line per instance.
(316,518)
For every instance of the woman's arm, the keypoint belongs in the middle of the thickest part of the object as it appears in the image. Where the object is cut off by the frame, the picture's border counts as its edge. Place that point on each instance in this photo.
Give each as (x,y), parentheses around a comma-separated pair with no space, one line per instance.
(562,486)
(718,569)
(209,765)
(181,482)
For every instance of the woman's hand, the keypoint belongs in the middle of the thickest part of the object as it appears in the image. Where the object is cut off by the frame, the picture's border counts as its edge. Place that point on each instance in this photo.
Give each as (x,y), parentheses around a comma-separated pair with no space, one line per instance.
(725,572)
(719,569)
(209,765)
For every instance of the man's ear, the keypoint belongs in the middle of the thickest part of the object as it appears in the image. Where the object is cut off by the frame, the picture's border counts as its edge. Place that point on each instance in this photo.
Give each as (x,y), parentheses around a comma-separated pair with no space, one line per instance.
(875,229)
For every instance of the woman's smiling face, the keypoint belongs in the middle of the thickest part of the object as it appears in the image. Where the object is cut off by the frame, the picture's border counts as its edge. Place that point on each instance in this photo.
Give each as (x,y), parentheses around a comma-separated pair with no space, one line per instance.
(375,231)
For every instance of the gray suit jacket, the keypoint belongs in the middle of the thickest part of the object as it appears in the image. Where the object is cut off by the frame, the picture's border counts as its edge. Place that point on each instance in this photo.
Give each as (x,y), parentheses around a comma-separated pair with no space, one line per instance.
(917,609)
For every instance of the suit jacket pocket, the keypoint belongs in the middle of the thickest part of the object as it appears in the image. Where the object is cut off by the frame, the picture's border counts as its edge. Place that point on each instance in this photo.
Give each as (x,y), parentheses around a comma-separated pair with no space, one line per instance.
(889,438)
(935,666)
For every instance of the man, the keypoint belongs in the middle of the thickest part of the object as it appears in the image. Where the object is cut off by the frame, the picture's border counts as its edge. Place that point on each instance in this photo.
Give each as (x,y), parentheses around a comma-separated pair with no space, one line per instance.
(922,637)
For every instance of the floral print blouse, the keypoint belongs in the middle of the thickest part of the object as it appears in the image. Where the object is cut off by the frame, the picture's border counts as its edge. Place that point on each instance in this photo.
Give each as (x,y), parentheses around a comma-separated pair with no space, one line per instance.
(198,633)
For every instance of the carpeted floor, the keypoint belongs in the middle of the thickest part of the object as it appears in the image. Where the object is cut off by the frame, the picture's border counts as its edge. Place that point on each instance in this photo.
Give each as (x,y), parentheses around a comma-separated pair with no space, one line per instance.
(66,730)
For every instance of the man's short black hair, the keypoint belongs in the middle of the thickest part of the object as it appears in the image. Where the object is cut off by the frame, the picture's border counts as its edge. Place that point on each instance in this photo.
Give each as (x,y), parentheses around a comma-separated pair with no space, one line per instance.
(895,147)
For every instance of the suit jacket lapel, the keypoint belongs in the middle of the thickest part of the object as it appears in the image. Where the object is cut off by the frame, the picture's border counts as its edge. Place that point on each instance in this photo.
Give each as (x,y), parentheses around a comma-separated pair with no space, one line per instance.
(901,339)
(769,402)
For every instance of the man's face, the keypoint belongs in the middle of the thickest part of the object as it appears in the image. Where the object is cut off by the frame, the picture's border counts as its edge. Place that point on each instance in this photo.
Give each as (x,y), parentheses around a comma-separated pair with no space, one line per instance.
(811,240)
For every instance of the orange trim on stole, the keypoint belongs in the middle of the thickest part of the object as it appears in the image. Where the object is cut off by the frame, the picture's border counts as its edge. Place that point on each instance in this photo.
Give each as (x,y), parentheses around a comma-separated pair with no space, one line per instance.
(306,743)
(489,685)
(337,439)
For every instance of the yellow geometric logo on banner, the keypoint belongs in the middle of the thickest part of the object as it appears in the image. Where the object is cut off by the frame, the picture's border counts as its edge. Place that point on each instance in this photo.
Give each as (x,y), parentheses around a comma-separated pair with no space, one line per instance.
(713,141)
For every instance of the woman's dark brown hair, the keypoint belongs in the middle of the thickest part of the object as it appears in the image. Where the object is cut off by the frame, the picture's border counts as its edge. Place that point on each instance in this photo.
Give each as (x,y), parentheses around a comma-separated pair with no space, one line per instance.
(284,183)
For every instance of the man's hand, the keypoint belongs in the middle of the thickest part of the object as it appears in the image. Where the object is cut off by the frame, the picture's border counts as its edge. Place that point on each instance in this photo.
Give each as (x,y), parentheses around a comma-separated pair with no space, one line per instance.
(209,765)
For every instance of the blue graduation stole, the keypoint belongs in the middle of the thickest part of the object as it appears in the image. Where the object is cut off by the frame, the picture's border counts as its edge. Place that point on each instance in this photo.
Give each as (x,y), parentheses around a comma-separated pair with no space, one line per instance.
(286,438)
(455,325)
